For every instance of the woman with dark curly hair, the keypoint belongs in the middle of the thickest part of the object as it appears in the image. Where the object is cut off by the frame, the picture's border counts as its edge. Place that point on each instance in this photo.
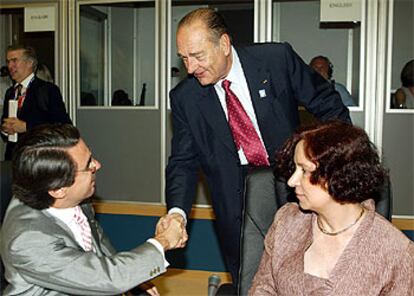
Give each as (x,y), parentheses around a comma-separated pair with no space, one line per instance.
(332,242)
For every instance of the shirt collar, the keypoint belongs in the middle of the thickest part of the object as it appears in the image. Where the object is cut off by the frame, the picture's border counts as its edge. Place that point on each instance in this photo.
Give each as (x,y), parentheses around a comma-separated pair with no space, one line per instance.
(26,81)
(236,71)
(66,214)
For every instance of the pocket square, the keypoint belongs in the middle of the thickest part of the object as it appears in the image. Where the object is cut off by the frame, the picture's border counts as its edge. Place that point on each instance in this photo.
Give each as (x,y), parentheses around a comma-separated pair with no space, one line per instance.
(262,93)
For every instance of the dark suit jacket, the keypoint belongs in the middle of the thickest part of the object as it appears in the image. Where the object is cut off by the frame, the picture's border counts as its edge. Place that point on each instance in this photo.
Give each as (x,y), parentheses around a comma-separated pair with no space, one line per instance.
(202,136)
(42,257)
(37,109)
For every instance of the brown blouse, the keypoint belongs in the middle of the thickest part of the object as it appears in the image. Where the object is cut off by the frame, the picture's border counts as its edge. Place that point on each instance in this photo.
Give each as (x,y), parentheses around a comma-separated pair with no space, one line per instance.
(378,260)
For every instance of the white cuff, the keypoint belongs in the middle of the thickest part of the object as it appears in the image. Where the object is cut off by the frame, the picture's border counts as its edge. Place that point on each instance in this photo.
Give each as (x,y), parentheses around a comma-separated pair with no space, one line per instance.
(159,248)
(178,211)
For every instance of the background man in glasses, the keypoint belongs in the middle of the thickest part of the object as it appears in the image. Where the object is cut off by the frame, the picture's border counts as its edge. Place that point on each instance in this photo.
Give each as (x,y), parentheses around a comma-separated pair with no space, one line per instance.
(51,243)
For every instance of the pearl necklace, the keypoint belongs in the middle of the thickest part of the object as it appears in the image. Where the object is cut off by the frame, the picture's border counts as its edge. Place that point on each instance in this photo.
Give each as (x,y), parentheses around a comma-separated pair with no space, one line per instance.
(324,231)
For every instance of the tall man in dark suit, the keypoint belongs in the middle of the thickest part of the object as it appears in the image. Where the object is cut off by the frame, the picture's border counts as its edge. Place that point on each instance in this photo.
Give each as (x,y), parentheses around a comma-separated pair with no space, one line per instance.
(39,101)
(230,115)
(50,242)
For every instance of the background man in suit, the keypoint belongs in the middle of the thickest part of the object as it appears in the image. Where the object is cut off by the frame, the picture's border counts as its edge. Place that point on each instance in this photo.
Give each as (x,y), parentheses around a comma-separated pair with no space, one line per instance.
(39,101)
(269,81)
(51,243)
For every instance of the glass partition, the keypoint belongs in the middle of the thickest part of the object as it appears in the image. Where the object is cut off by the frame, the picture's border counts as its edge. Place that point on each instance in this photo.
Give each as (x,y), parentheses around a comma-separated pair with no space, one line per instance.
(117,54)
(298,22)
(401,98)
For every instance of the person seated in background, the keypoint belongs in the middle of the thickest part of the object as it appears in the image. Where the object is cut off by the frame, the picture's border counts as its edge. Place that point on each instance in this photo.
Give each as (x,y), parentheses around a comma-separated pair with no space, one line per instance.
(323,66)
(88,99)
(120,98)
(332,242)
(50,242)
(38,101)
(42,72)
(404,97)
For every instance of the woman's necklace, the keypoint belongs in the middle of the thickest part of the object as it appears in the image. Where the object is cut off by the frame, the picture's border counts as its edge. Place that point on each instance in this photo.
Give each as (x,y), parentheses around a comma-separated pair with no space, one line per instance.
(339,231)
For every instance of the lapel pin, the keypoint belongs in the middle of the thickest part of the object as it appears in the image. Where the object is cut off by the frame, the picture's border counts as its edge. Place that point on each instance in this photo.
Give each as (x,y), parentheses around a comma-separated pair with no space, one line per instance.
(262,93)
(264,81)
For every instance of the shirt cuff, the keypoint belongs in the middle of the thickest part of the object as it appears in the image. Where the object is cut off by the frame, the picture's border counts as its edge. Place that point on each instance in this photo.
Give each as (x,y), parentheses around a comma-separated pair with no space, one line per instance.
(178,211)
(156,244)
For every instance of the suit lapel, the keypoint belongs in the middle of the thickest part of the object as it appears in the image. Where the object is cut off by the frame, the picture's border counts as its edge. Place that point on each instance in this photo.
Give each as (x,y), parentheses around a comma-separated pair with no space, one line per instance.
(259,83)
(92,224)
(213,113)
(62,225)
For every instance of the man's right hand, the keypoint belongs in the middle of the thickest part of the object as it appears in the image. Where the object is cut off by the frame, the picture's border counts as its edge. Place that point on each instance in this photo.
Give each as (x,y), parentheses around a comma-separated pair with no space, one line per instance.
(13,125)
(171,232)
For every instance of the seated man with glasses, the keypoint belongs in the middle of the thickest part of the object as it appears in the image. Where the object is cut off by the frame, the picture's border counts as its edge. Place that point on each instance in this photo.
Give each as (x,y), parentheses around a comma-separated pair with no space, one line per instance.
(50,242)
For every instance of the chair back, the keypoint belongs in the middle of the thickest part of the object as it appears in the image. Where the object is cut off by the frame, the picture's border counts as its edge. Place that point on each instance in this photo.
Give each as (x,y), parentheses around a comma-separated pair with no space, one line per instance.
(383,203)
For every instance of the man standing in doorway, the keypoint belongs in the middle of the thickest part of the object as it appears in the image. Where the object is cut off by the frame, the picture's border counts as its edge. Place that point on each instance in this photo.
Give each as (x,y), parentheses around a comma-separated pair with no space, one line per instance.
(38,101)
(229,117)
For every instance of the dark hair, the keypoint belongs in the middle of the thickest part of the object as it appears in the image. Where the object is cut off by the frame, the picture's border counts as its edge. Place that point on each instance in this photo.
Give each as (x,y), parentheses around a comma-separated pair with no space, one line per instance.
(120,98)
(407,74)
(211,18)
(347,163)
(4,71)
(330,65)
(41,163)
(29,53)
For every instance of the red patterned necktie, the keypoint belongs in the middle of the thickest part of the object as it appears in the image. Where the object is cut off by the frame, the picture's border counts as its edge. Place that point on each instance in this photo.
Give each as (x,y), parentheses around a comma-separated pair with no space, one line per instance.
(81,220)
(244,133)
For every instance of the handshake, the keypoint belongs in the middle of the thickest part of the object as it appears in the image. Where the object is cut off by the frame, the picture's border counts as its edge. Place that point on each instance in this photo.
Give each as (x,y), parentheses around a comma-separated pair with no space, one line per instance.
(170,232)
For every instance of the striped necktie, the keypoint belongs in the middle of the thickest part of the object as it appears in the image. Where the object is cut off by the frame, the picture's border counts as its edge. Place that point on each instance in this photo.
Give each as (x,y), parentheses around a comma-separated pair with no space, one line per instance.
(84,227)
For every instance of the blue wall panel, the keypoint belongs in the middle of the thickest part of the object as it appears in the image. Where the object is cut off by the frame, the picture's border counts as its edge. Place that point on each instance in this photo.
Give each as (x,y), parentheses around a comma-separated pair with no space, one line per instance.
(409,233)
(202,251)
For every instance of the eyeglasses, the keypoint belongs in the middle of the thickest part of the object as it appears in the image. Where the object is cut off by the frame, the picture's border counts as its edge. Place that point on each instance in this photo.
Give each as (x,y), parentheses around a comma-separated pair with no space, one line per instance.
(91,166)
